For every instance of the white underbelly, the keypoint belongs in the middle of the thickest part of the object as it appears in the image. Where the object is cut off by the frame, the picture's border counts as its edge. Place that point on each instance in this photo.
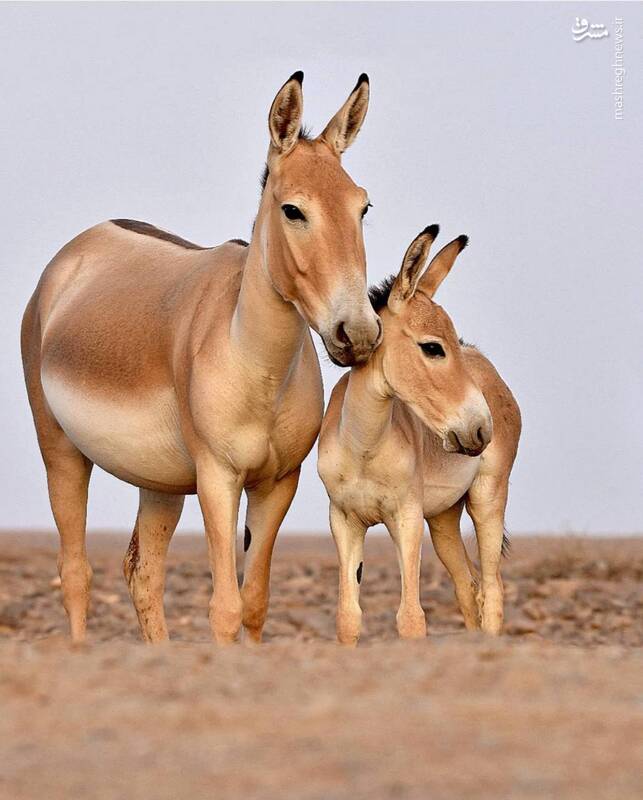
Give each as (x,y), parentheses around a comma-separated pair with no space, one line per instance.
(131,438)
(445,486)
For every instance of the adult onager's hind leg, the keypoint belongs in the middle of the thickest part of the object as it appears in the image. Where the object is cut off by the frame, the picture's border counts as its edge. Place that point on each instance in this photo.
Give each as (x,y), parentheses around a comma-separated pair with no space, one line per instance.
(267,507)
(144,563)
(68,473)
(348,533)
(486,503)
(450,549)
(407,531)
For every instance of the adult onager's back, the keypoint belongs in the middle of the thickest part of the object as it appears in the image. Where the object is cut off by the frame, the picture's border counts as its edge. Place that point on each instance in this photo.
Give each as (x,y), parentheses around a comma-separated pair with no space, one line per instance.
(184,369)
(407,437)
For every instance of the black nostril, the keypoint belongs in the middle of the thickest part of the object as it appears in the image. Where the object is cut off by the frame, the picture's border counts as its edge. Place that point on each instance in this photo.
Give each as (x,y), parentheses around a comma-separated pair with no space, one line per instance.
(341,335)
(480,438)
(453,437)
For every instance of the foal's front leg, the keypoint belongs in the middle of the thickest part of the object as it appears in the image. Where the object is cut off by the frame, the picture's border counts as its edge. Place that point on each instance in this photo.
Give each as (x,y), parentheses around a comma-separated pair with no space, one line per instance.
(219,490)
(406,531)
(348,533)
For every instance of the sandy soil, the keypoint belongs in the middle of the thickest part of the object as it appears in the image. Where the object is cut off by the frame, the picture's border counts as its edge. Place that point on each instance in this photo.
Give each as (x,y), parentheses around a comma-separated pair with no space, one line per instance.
(554,709)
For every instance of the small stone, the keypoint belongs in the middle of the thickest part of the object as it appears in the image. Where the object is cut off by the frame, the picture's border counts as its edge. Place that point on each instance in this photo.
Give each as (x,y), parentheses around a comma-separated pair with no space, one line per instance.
(520,627)
(534,610)
(12,614)
(107,598)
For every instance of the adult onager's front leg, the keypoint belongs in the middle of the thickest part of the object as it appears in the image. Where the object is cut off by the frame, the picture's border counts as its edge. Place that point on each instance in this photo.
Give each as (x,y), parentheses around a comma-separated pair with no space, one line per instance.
(219,491)
(267,507)
(406,531)
(348,532)
(144,563)
(448,544)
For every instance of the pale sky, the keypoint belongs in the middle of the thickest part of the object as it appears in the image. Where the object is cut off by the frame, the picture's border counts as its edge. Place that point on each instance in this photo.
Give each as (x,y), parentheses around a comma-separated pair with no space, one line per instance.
(486,118)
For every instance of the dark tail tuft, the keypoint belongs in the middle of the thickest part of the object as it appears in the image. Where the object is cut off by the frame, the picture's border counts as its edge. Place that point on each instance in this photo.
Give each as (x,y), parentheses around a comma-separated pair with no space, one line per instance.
(506,545)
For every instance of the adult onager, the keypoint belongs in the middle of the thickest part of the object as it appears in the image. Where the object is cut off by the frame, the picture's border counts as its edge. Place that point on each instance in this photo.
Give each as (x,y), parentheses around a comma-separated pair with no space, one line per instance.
(183,369)
(407,437)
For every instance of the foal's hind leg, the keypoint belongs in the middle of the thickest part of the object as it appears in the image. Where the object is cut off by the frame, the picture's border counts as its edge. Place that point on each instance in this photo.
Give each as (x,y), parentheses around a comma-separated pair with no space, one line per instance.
(486,503)
(144,563)
(68,473)
(447,540)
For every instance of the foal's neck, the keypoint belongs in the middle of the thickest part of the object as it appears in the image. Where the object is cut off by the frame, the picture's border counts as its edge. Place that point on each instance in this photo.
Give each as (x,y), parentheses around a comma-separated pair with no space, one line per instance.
(268,331)
(367,409)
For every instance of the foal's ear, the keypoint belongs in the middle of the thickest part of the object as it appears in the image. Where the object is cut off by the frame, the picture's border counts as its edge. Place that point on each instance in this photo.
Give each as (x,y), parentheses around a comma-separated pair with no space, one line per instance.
(341,131)
(441,264)
(412,265)
(284,120)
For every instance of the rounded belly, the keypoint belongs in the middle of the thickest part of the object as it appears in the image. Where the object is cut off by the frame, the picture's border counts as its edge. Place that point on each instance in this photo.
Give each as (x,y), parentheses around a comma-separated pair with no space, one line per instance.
(136,439)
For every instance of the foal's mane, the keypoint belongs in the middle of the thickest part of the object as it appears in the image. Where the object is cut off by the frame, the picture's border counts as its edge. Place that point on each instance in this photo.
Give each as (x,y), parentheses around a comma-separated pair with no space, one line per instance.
(380,293)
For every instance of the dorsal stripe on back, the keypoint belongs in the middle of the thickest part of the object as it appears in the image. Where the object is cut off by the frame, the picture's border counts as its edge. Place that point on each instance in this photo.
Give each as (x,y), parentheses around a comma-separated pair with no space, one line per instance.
(145,229)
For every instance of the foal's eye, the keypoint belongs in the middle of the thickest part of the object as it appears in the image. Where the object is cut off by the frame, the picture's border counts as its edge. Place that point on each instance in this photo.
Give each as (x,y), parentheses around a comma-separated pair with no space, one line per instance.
(365,209)
(432,349)
(292,212)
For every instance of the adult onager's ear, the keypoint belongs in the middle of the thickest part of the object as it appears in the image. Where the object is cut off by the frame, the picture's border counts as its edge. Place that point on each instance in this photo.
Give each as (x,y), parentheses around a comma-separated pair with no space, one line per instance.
(440,265)
(284,120)
(341,131)
(412,265)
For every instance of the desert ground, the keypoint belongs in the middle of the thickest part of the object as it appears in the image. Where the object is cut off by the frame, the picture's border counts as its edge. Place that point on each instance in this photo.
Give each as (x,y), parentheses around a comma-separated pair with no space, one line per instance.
(553,709)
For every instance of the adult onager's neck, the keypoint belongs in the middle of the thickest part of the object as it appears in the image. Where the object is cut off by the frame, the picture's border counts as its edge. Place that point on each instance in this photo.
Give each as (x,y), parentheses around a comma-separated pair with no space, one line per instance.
(367,408)
(268,330)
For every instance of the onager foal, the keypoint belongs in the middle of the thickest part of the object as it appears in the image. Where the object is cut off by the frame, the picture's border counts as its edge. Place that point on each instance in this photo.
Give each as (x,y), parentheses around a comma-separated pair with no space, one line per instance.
(184,369)
(407,437)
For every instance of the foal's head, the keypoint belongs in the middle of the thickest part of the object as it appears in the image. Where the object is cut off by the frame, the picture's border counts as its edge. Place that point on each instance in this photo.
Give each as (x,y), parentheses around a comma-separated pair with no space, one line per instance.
(311,223)
(421,356)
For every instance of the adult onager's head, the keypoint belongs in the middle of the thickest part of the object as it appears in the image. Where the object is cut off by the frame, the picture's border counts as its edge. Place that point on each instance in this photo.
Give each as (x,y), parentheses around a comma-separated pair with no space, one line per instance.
(310,221)
(421,356)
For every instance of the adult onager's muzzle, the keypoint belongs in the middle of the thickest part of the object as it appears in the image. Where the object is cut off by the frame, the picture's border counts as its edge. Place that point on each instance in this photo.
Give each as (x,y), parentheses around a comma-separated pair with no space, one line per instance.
(471,436)
(353,339)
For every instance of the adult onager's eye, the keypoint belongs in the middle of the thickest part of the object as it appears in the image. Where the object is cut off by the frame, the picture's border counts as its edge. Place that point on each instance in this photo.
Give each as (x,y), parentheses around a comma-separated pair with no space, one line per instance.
(365,209)
(432,349)
(292,212)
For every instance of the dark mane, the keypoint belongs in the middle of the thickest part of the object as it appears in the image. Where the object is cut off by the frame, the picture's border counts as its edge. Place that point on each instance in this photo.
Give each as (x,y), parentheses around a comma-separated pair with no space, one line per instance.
(264,177)
(379,294)
(306,135)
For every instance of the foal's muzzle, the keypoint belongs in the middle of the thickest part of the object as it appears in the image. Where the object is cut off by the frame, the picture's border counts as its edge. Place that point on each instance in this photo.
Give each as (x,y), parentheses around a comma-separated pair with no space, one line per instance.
(470,439)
